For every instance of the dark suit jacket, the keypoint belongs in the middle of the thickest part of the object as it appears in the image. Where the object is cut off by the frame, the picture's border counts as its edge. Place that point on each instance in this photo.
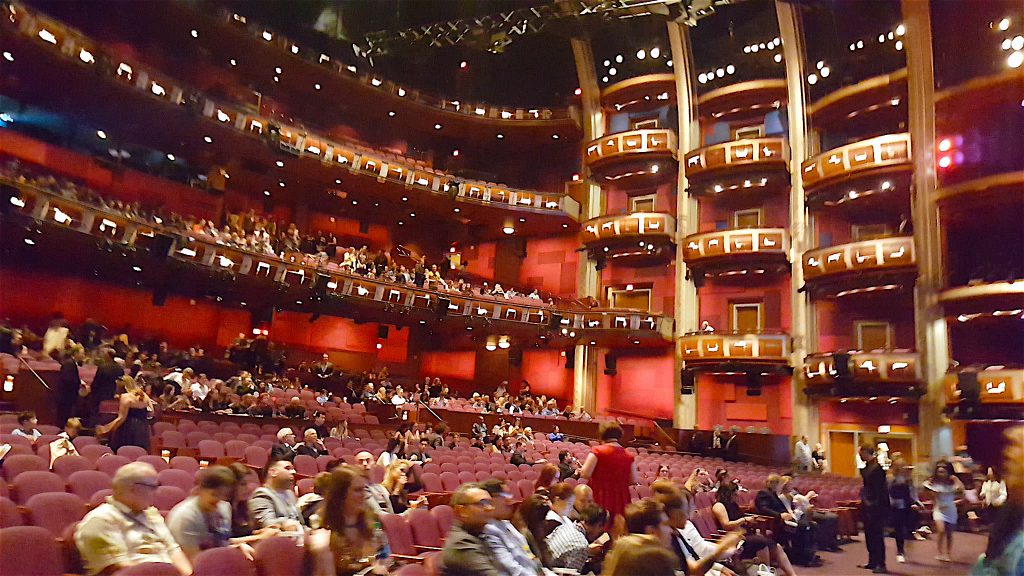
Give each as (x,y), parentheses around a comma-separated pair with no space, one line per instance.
(313,451)
(768,503)
(281,452)
(875,493)
(323,370)
(467,554)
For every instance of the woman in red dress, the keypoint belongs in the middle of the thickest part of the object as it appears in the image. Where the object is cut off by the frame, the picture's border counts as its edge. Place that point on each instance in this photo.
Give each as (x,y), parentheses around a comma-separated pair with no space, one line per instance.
(610,470)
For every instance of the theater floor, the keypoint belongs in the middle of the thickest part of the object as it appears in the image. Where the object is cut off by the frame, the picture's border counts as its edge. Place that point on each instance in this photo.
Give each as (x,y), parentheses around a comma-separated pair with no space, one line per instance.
(920,558)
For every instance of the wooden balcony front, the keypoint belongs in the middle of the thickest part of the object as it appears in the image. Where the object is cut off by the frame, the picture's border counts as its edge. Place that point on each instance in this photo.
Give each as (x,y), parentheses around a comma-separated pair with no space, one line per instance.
(857,168)
(861,267)
(758,250)
(1000,394)
(640,93)
(865,374)
(747,166)
(718,348)
(638,238)
(633,159)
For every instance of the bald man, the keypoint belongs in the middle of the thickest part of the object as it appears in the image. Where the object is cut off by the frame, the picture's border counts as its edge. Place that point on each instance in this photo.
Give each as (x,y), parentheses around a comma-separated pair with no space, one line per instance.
(584,497)
(377,495)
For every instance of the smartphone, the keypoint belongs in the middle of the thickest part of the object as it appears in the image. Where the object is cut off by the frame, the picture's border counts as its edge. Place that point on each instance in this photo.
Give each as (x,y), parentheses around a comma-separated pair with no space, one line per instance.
(602,539)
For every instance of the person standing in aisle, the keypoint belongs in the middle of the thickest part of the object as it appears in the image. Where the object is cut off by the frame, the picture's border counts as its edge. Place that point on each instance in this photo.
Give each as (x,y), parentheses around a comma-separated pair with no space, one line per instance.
(874,508)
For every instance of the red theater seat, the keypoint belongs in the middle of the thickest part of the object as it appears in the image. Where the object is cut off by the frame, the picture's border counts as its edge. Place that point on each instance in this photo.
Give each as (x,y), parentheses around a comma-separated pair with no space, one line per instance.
(28,484)
(85,483)
(55,511)
(31,551)
(279,557)
(222,562)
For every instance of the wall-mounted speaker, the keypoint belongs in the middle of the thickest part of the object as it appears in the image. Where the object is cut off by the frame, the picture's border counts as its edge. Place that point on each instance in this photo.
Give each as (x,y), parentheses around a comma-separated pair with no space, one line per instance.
(609,365)
(382,332)
(515,356)
(970,389)
(570,358)
(161,246)
(556,321)
(442,306)
(159,295)
(687,382)
(841,361)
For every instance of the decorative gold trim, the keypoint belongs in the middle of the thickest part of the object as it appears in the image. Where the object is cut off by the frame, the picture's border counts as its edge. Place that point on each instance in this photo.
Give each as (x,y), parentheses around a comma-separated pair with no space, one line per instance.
(850,92)
(1004,180)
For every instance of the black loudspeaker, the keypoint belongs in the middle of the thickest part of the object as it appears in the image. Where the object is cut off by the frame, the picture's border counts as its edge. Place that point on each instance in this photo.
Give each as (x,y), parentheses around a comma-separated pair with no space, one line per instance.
(515,356)
(556,321)
(262,316)
(162,246)
(319,288)
(6,194)
(159,295)
(687,382)
(442,306)
(382,332)
(570,358)
(841,361)
(753,384)
(609,365)
(970,389)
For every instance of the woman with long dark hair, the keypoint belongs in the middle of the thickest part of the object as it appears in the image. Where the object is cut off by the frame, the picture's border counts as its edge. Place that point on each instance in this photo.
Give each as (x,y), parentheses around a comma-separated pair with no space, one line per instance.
(355,540)
(947,488)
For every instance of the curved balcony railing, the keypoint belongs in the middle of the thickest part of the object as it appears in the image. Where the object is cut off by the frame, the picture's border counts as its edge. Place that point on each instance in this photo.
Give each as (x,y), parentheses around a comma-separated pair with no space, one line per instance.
(878,95)
(72,45)
(743,99)
(293,270)
(865,158)
(1002,298)
(725,248)
(292,49)
(635,155)
(875,367)
(741,166)
(640,93)
(639,225)
(835,263)
(719,347)
(996,385)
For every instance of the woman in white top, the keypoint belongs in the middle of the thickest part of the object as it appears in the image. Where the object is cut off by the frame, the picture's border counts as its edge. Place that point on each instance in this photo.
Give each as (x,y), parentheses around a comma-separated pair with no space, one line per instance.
(993,490)
(565,542)
(947,488)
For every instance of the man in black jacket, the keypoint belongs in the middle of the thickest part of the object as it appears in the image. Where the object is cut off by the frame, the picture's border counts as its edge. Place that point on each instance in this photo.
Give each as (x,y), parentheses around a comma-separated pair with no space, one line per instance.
(466,553)
(104,384)
(285,447)
(796,537)
(874,507)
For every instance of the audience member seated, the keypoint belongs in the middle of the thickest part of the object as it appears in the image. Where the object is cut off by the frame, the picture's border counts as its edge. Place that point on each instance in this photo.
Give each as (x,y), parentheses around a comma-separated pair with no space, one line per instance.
(696,556)
(377,496)
(640,554)
(825,525)
(568,465)
(64,444)
(509,547)
(311,445)
(274,503)
(566,544)
(285,447)
(556,434)
(27,423)
(396,482)
(796,536)
(351,540)
(518,458)
(127,529)
(466,552)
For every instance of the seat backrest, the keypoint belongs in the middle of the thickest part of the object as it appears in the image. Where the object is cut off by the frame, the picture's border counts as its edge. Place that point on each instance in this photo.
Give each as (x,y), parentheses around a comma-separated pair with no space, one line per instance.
(30,551)
(178,478)
(168,497)
(131,452)
(28,484)
(424,528)
(20,463)
(67,465)
(9,514)
(277,556)
(210,449)
(256,456)
(150,569)
(110,463)
(173,439)
(235,449)
(222,561)
(431,482)
(396,527)
(85,483)
(443,516)
(155,461)
(305,465)
(186,463)
(450,481)
(55,511)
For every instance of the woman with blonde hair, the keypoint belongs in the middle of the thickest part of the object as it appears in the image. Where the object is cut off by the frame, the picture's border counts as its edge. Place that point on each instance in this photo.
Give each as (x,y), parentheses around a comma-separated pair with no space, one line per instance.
(396,481)
(640,554)
(131,427)
(352,539)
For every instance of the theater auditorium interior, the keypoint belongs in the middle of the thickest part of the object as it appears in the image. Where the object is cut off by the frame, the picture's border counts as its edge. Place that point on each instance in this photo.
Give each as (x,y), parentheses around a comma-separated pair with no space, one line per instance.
(511,287)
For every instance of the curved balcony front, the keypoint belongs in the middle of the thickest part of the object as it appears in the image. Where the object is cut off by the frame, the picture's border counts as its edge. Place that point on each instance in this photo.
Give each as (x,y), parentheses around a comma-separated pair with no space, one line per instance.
(863,374)
(641,238)
(59,225)
(868,266)
(878,165)
(633,159)
(879,100)
(741,167)
(743,252)
(1004,298)
(640,93)
(1000,392)
(734,351)
(743,99)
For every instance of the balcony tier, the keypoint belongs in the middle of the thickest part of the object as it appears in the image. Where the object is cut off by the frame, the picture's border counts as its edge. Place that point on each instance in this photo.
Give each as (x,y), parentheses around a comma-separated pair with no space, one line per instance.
(633,159)
(293,282)
(747,250)
(744,99)
(987,298)
(640,93)
(715,349)
(862,167)
(641,238)
(748,166)
(874,373)
(242,132)
(989,191)
(1000,394)
(879,99)
(867,266)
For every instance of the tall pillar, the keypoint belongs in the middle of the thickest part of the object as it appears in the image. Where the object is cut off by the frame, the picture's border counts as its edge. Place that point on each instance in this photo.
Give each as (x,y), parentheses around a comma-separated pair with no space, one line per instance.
(584,377)
(684,414)
(805,413)
(931,335)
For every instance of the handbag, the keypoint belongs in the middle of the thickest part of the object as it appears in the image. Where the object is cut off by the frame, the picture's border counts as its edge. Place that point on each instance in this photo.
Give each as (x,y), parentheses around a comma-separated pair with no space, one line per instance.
(760,570)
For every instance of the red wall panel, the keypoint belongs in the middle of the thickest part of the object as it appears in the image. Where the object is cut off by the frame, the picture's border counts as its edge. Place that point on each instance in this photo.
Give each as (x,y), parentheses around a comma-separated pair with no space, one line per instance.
(551,265)
(643,385)
(722,400)
(460,365)
(546,372)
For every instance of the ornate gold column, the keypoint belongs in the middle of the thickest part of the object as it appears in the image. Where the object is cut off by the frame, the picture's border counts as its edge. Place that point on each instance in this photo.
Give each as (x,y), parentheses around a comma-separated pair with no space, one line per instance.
(584,375)
(931,335)
(684,413)
(805,412)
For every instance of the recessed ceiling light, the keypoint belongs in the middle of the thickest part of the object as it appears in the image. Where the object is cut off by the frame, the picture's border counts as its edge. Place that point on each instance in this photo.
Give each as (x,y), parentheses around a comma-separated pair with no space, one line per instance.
(266,192)
(405,198)
(337,180)
(194,33)
(233,62)
(456,210)
(171,157)
(554,136)
(500,136)
(278,69)
(391,113)
(281,184)
(8,56)
(412,214)
(400,222)
(317,85)
(208,140)
(280,163)
(437,126)
(101,134)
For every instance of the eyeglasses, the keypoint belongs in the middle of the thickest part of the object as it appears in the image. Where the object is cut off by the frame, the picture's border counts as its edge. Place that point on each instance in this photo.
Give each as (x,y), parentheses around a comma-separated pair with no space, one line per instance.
(485,503)
(150,485)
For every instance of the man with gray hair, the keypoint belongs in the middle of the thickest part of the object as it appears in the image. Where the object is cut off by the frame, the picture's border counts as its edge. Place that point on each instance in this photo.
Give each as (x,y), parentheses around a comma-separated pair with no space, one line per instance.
(127,529)
(466,552)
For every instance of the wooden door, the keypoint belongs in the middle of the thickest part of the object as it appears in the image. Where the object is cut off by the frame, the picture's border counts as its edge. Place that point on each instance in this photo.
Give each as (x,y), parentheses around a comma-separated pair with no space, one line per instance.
(841,454)
(746,317)
(873,336)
